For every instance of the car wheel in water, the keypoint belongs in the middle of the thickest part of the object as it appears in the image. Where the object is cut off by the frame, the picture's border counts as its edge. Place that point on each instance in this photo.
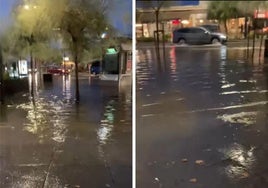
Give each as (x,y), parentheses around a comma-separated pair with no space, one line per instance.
(215,41)
(181,41)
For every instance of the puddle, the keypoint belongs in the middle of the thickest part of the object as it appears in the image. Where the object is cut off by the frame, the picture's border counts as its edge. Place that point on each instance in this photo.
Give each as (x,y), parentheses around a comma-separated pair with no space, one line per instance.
(244,118)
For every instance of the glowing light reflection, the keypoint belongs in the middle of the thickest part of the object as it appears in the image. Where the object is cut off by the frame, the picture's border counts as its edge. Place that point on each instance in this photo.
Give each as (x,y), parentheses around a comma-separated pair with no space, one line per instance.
(240,161)
(245,118)
(30,180)
(46,119)
(107,124)
(172,56)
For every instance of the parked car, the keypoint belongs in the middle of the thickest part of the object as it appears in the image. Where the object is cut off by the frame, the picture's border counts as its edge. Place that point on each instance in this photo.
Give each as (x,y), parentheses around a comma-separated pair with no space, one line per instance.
(197,35)
(95,67)
(57,70)
(54,71)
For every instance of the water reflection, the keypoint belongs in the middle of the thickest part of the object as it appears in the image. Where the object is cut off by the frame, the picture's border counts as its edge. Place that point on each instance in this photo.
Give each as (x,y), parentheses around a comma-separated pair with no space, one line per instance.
(66,87)
(116,119)
(215,84)
(143,69)
(239,159)
(172,56)
(244,118)
(47,128)
(223,52)
(46,119)
(117,114)
(107,123)
(33,82)
(35,179)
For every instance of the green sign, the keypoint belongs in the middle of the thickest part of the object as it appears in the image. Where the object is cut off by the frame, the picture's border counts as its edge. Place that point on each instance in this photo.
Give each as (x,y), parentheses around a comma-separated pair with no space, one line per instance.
(111,51)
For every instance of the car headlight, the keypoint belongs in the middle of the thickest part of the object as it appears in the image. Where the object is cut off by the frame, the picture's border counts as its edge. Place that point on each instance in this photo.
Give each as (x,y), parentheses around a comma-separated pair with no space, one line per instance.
(222,36)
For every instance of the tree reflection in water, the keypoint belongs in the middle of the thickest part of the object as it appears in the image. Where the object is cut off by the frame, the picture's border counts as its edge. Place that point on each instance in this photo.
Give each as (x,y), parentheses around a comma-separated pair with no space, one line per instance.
(47,117)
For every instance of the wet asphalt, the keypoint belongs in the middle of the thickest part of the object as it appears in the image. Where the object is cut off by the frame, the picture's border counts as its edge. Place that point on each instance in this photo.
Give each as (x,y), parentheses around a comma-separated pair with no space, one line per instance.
(201,118)
(53,142)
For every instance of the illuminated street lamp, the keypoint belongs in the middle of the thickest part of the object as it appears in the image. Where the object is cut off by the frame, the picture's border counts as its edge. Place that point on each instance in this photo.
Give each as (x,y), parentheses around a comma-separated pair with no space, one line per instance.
(27,7)
(66,59)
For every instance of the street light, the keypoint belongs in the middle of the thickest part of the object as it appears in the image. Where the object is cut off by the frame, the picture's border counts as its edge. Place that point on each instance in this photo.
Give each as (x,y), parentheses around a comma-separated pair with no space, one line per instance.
(27,7)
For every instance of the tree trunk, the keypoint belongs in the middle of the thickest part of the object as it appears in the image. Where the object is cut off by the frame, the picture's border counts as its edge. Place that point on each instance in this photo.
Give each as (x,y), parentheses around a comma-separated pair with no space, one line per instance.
(157,26)
(247,46)
(246,27)
(1,78)
(225,27)
(253,46)
(157,38)
(32,73)
(77,94)
(260,48)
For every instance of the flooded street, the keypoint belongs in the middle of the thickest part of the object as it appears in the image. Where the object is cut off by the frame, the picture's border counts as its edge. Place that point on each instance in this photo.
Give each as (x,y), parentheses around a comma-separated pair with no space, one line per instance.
(201,118)
(50,141)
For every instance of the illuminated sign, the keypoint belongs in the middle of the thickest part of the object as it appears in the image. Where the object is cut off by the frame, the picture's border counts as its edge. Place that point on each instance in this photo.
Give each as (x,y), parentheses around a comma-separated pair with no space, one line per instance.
(260,14)
(111,51)
(23,67)
(176,22)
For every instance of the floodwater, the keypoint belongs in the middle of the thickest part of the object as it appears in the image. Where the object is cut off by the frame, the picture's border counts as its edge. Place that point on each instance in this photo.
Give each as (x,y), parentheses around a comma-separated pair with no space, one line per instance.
(50,141)
(201,118)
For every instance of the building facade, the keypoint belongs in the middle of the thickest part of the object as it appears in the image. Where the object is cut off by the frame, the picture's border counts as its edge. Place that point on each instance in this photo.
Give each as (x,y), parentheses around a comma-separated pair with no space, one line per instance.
(180,14)
(171,15)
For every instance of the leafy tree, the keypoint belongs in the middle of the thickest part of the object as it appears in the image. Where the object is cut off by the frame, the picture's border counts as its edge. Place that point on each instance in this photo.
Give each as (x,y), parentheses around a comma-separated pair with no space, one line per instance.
(32,29)
(223,11)
(77,23)
(82,25)
(155,6)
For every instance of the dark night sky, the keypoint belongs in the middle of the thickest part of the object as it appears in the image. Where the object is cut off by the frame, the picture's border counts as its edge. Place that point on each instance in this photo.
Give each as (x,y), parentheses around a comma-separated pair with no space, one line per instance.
(117,15)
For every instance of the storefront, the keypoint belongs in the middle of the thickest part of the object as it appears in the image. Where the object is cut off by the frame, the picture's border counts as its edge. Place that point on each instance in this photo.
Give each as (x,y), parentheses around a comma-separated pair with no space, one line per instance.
(181,14)
(261,21)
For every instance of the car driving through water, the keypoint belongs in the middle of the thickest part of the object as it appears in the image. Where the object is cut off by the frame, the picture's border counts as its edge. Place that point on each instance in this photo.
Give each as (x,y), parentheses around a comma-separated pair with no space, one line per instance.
(197,35)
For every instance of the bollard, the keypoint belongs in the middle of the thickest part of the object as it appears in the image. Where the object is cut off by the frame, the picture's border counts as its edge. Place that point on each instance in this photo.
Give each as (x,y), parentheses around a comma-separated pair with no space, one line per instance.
(266,48)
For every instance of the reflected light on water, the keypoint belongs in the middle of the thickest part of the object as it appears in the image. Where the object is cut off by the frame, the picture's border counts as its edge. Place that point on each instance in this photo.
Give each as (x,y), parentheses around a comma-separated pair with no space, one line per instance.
(172,56)
(107,124)
(245,118)
(66,87)
(240,161)
(223,52)
(144,65)
(149,57)
(34,178)
(140,56)
(46,119)
(34,80)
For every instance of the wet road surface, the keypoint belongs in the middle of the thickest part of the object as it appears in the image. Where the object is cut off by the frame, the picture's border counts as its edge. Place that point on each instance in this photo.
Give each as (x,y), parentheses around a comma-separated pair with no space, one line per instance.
(53,142)
(201,119)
